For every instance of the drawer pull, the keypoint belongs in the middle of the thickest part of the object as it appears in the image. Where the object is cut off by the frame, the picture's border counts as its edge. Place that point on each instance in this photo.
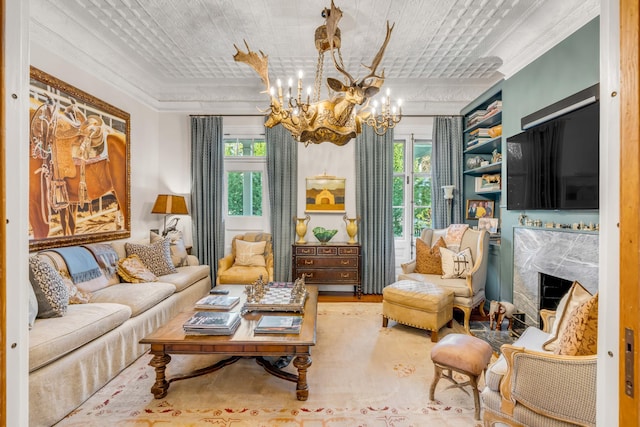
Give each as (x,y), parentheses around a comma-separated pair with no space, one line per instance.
(308,262)
(345,262)
(305,251)
(344,275)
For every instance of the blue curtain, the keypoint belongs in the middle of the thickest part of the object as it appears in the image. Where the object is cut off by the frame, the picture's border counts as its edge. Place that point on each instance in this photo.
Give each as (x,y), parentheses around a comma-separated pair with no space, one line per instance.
(374,197)
(207,162)
(282,172)
(446,169)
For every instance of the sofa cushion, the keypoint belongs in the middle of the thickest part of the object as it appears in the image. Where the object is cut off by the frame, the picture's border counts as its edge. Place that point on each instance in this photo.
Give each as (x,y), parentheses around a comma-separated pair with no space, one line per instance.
(139,297)
(50,339)
(576,295)
(186,276)
(155,256)
(250,254)
(580,337)
(50,290)
(532,339)
(456,265)
(133,270)
(176,247)
(428,258)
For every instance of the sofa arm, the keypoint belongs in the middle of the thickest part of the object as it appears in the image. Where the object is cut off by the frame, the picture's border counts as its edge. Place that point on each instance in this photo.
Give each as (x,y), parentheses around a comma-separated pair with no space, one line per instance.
(547,394)
(409,267)
(192,260)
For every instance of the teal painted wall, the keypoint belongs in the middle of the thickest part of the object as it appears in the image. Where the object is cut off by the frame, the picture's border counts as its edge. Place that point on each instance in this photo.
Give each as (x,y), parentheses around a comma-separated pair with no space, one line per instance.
(567,68)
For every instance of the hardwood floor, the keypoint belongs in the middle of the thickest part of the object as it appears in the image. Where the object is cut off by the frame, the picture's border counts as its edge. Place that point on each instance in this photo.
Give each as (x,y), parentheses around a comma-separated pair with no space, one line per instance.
(347,297)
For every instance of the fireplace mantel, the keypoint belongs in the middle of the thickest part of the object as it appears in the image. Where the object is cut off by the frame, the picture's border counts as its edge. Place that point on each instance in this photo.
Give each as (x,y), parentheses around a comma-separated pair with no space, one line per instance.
(568,254)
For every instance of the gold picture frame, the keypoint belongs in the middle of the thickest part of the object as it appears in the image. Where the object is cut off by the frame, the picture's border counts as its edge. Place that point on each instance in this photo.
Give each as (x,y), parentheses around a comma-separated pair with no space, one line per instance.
(476,209)
(79,166)
(325,193)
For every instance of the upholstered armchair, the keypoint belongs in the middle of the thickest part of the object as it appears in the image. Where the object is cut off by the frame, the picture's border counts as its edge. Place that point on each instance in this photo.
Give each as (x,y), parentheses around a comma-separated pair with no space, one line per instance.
(468,290)
(251,257)
(531,386)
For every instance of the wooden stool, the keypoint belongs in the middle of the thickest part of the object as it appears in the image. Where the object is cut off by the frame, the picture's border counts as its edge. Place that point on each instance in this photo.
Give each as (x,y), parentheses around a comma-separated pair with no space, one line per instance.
(461,353)
(418,304)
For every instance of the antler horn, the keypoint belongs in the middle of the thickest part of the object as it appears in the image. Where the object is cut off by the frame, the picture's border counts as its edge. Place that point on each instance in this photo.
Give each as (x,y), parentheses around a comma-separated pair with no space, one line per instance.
(260,63)
(378,58)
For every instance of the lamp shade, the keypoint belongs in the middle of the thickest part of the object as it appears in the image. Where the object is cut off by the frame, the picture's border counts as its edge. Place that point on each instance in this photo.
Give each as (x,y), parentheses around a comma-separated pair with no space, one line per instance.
(170,204)
(448,191)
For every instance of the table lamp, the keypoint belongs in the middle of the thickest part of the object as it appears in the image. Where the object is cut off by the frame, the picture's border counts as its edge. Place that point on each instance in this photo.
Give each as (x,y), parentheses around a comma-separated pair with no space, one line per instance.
(169,204)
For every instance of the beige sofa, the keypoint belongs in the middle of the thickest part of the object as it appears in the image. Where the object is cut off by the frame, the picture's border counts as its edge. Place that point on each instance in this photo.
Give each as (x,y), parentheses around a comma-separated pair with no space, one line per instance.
(73,356)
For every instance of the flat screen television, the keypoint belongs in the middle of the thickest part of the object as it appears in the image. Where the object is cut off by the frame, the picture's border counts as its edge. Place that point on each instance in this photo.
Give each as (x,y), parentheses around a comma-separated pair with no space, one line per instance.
(555,165)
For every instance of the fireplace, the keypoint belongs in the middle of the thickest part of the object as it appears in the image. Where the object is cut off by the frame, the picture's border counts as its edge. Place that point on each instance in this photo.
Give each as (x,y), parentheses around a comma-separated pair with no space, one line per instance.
(564,254)
(551,290)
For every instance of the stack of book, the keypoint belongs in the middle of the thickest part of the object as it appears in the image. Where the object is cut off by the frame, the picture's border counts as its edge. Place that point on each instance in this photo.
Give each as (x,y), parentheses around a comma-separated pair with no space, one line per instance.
(475,117)
(217,302)
(279,325)
(212,323)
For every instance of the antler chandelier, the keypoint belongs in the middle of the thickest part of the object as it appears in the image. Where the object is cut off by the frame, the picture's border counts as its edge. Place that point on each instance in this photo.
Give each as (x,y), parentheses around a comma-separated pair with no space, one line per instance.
(338,118)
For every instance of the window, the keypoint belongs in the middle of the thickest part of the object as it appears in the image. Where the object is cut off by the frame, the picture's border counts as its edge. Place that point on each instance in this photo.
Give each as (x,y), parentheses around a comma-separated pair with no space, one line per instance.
(245,172)
(411,186)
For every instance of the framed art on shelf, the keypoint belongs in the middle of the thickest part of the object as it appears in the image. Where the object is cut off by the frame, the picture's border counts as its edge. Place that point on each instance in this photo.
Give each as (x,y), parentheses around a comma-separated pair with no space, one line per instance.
(479,209)
(488,183)
(489,224)
(79,185)
(325,193)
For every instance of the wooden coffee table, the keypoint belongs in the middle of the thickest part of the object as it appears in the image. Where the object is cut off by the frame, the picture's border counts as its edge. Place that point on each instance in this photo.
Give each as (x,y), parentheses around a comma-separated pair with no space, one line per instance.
(171,339)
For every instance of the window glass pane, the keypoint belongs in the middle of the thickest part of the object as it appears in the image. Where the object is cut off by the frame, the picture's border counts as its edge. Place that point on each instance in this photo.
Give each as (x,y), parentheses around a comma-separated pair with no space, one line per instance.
(244,193)
(398,190)
(398,156)
(421,220)
(398,221)
(422,191)
(422,157)
(245,148)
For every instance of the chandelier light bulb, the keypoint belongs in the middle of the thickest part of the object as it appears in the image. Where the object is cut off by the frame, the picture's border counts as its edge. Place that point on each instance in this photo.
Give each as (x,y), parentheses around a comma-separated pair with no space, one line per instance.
(279,83)
(388,92)
(290,81)
(300,74)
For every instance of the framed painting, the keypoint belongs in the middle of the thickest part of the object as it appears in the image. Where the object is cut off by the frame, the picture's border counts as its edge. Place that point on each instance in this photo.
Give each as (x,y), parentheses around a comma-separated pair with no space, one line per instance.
(325,194)
(79,166)
(489,224)
(479,209)
(488,183)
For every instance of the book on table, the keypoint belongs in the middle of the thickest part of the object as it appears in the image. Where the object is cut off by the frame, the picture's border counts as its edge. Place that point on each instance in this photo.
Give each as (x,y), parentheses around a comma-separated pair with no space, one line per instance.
(279,325)
(217,302)
(212,323)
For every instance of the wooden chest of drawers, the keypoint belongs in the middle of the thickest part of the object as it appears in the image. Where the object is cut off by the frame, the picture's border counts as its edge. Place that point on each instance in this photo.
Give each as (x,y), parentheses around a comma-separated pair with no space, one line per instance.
(328,264)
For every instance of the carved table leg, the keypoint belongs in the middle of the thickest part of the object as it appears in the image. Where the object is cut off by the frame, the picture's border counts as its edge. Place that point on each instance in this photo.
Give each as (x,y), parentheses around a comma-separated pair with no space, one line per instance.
(160,387)
(302,388)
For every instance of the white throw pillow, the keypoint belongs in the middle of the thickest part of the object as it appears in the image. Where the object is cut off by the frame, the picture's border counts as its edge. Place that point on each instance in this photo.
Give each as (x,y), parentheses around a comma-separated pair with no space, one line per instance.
(250,254)
(456,264)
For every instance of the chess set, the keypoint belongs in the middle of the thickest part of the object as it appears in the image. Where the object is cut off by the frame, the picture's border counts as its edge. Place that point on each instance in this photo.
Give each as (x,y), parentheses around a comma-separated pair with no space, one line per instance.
(276,296)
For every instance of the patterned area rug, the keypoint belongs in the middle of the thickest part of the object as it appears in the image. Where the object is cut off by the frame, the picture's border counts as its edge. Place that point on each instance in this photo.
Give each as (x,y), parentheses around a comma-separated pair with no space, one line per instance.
(361,375)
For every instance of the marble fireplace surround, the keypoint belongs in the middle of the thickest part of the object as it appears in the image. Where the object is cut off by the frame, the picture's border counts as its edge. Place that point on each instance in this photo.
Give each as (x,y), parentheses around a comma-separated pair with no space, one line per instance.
(570,255)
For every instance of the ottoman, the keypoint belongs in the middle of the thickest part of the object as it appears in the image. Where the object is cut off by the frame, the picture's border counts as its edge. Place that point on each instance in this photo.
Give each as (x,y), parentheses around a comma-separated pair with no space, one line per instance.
(461,353)
(418,304)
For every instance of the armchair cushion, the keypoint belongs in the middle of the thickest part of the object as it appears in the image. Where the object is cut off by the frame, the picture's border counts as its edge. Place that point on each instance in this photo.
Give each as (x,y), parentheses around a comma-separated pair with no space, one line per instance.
(580,337)
(456,265)
(428,258)
(250,254)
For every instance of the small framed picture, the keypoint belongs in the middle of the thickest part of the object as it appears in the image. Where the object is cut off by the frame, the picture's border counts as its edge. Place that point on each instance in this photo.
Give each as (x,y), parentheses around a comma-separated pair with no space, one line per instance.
(489,224)
(479,209)
(488,183)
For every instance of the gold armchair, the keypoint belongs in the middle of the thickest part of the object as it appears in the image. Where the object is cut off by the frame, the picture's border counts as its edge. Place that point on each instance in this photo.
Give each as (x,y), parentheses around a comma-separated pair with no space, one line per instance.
(251,257)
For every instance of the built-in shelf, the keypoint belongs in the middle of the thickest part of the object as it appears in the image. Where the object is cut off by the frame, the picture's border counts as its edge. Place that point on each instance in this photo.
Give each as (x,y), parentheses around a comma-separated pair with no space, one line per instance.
(489,121)
(485,147)
(490,192)
(492,168)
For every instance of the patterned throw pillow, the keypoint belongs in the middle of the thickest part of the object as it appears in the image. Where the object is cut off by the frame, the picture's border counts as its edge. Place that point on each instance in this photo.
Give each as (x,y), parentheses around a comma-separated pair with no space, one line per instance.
(156,256)
(177,247)
(456,265)
(428,259)
(576,295)
(133,270)
(580,337)
(50,290)
(250,254)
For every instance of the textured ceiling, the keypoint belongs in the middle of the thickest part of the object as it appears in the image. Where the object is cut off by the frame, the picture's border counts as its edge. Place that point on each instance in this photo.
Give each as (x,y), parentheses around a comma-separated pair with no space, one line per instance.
(180,52)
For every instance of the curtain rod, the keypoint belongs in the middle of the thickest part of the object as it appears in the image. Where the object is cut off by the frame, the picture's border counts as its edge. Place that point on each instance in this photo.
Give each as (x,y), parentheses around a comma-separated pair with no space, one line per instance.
(263,115)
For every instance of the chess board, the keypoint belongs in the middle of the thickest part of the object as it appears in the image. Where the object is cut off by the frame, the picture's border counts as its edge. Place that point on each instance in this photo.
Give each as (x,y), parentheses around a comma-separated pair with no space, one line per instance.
(278,298)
